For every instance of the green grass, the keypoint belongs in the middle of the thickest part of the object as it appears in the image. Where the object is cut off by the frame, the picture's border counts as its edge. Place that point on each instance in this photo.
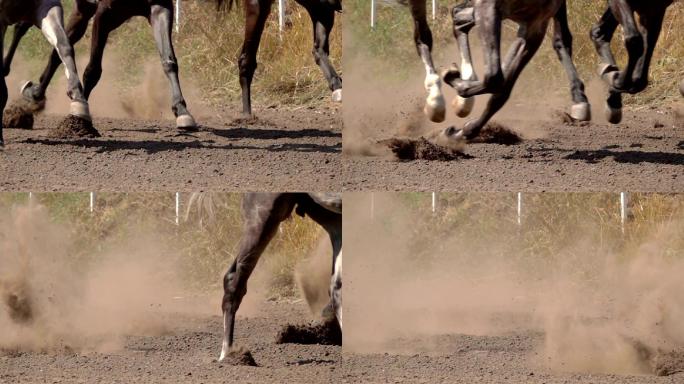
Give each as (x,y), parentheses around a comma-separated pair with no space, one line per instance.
(392,41)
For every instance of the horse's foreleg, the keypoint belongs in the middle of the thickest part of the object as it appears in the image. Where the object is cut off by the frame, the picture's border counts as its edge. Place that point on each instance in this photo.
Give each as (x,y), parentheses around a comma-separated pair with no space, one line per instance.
(161,22)
(435,107)
(104,23)
(601,34)
(634,43)
(652,22)
(19,32)
(521,52)
(562,43)
(256,13)
(262,215)
(51,23)
(3,84)
(488,19)
(75,29)
(463,20)
(323,19)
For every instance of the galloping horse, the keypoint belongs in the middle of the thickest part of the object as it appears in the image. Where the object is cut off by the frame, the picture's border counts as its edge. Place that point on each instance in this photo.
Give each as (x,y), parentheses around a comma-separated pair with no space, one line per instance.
(640,41)
(262,214)
(532,17)
(48,16)
(109,15)
(322,13)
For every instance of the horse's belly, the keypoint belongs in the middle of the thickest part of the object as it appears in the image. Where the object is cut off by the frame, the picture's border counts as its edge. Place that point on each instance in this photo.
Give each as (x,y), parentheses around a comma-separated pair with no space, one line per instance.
(14,11)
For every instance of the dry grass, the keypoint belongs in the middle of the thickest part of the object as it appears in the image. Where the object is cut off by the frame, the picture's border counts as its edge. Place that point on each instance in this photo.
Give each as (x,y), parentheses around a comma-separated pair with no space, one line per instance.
(207,46)
(392,40)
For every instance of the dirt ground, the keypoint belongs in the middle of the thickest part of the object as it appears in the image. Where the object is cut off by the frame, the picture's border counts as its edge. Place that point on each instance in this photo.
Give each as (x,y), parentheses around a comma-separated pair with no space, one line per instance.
(282,150)
(455,358)
(186,353)
(644,153)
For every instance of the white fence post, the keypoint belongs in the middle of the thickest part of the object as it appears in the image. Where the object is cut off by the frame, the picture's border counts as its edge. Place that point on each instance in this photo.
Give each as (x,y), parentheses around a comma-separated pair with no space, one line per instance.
(177,207)
(434,202)
(177,15)
(624,200)
(281,17)
(434,9)
(372,14)
(92,202)
(519,208)
(372,207)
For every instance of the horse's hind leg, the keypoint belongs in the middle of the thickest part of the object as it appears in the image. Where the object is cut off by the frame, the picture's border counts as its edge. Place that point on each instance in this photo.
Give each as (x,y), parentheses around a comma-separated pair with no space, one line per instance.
(601,34)
(634,42)
(51,23)
(262,214)
(3,84)
(256,13)
(106,20)
(562,43)
(323,19)
(521,52)
(435,107)
(75,29)
(463,21)
(19,32)
(651,20)
(161,20)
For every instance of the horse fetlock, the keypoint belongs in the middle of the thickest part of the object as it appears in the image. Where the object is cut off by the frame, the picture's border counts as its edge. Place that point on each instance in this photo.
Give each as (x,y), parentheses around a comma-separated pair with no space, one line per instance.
(337,95)
(80,109)
(581,112)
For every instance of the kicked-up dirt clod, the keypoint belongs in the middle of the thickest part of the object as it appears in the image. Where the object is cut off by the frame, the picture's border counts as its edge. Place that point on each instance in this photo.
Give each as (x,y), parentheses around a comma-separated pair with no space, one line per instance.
(19,304)
(19,116)
(495,133)
(327,333)
(421,149)
(240,356)
(74,126)
(667,363)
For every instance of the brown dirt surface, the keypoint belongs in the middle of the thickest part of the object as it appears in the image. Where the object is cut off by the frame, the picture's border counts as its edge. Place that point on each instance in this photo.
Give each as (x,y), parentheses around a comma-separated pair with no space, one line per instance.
(459,358)
(186,353)
(284,150)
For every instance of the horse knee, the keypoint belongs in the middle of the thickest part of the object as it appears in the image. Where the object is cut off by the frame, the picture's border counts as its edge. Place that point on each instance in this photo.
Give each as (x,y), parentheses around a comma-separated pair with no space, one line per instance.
(170,66)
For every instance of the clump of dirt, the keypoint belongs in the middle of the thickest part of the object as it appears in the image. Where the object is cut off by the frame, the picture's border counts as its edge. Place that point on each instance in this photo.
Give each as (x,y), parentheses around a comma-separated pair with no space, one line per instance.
(18,115)
(18,302)
(496,133)
(666,363)
(240,356)
(74,126)
(328,333)
(421,149)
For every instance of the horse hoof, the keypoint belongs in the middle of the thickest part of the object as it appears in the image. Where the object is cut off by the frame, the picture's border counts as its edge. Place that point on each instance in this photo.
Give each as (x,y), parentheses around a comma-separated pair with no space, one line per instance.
(80,109)
(681,87)
(463,105)
(581,112)
(337,95)
(186,122)
(613,115)
(27,93)
(436,113)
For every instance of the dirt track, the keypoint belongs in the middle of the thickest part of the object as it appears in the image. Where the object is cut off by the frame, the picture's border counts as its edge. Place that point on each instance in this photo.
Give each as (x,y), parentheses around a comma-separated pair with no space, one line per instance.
(186,353)
(472,359)
(283,150)
(644,153)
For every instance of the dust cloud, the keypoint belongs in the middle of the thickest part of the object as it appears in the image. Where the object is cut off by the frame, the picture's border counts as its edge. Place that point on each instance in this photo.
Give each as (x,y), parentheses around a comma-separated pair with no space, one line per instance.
(597,312)
(84,302)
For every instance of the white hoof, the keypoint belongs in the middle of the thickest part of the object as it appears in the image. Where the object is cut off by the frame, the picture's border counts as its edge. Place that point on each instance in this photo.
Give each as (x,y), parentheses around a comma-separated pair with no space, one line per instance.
(185,122)
(613,115)
(581,112)
(80,109)
(337,95)
(436,112)
(463,106)
(435,106)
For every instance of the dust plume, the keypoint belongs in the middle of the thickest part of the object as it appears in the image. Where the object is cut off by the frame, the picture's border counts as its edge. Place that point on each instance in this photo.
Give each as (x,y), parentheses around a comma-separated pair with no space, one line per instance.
(597,309)
(313,276)
(77,302)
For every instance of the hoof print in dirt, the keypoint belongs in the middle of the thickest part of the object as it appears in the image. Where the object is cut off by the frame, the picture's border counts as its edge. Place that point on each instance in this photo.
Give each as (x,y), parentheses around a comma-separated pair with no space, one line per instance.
(495,133)
(74,126)
(328,333)
(421,149)
(18,116)
(240,356)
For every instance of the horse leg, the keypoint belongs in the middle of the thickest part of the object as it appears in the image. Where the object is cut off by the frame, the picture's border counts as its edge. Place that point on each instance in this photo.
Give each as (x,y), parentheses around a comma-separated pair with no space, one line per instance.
(521,52)
(652,21)
(323,19)
(161,22)
(76,28)
(3,84)
(19,32)
(488,18)
(262,214)
(256,13)
(463,20)
(562,43)
(51,23)
(601,34)
(634,42)
(105,21)
(435,107)
(336,286)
